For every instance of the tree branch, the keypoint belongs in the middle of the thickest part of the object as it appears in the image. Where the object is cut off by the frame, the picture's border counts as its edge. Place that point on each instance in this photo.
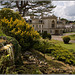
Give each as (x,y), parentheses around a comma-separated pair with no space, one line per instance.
(17,4)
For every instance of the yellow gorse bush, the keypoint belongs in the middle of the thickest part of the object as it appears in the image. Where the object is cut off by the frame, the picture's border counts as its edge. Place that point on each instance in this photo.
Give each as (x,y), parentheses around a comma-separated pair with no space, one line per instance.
(19,29)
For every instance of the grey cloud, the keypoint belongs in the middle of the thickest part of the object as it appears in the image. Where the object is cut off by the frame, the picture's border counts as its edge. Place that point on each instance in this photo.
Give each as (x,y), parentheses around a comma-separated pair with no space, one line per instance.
(70,10)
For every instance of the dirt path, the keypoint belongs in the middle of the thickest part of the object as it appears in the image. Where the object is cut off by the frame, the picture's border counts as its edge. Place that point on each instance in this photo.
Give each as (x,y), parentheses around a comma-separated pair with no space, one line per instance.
(59,37)
(68,34)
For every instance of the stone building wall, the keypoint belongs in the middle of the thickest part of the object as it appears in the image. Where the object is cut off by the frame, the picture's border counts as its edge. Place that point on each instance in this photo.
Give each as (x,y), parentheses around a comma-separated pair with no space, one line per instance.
(48,24)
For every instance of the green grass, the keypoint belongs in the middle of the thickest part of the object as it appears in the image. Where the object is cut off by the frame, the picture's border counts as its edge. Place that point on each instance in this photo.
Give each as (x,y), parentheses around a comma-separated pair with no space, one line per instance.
(72,37)
(67,46)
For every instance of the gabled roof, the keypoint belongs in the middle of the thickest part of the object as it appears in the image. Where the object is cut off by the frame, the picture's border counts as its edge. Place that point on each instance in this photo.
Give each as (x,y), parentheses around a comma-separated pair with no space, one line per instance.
(50,17)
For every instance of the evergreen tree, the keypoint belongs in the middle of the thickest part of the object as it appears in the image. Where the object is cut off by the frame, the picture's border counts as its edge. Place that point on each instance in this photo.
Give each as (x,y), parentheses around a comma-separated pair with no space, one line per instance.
(24,6)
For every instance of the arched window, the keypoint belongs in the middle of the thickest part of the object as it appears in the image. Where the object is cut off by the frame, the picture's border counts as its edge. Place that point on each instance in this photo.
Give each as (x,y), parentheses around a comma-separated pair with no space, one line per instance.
(53,24)
(39,26)
(40,21)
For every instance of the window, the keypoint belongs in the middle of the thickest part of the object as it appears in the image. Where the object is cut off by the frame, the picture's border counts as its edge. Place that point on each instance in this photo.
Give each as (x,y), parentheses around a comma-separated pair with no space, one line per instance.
(50,31)
(40,21)
(42,26)
(53,24)
(36,26)
(39,26)
(45,32)
(57,22)
(42,31)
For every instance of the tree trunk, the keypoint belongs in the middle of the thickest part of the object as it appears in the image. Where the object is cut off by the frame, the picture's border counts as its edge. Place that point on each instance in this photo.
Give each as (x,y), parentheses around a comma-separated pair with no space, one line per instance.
(24,12)
(20,10)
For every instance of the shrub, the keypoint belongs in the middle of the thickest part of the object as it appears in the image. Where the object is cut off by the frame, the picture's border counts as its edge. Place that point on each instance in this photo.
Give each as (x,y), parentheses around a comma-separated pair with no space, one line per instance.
(64,55)
(49,36)
(45,35)
(58,52)
(7,13)
(66,39)
(4,63)
(11,70)
(38,45)
(28,69)
(20,30)
(42,45)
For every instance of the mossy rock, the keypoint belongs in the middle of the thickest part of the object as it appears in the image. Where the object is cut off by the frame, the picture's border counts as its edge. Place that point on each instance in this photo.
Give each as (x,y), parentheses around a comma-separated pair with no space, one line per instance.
(1,45)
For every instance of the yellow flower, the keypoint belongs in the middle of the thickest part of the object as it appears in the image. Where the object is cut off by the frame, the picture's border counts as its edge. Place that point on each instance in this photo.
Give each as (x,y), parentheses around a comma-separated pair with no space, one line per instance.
(8,55)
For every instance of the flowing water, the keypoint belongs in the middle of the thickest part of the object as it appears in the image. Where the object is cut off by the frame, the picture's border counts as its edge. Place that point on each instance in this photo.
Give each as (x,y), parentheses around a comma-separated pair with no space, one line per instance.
(9,49)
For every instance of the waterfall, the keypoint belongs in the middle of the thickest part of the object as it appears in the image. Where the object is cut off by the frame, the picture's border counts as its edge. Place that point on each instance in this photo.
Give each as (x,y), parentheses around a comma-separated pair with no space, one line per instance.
(9,49)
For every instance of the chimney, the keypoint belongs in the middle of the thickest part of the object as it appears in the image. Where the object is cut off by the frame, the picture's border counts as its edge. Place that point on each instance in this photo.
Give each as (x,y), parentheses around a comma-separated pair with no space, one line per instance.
(32,17)
(59,18)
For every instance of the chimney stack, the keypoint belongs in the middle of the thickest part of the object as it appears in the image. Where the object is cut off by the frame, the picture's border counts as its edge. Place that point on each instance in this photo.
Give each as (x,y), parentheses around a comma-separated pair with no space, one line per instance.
(59,18)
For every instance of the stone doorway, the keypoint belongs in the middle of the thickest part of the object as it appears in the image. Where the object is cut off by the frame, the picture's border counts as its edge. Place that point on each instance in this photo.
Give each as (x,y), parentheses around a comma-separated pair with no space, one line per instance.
(56,32)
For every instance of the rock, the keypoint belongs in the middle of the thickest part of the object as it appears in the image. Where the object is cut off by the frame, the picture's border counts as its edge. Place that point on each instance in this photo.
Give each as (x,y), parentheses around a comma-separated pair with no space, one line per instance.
(52,71)
(64,71)
(58,70)
(27,53)
(70,72)
(32,63)
(67,64)
(4,38)
(40,62)
(45,63)
(53,58)
(1,37)
(32,59)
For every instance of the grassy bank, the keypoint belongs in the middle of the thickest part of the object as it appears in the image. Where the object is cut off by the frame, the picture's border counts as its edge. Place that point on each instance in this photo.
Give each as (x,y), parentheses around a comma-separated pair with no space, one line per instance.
(72,37)
(68,46)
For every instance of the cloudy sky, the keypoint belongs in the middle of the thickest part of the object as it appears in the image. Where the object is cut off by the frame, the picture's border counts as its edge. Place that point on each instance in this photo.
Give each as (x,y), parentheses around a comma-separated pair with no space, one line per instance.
(65,9)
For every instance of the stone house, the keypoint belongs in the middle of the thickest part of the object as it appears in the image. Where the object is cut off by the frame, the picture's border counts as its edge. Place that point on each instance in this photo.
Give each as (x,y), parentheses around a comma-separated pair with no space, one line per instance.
(67,27)
(45,24)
